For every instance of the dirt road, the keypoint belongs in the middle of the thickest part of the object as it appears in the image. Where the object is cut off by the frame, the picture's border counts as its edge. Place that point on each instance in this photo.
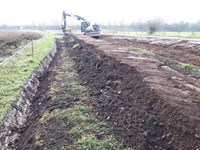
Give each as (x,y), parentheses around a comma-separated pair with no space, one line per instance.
(101,92)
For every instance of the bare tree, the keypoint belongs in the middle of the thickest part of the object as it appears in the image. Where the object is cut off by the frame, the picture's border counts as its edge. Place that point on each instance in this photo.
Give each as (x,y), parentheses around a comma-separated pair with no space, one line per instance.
(122,24)
(153,25)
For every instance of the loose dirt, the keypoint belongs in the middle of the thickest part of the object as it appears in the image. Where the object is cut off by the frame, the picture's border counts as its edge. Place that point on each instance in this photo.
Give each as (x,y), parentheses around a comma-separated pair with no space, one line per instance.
(149,105)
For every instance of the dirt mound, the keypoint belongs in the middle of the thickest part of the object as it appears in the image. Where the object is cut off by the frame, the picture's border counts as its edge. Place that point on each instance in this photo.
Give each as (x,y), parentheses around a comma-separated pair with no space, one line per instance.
(145,104)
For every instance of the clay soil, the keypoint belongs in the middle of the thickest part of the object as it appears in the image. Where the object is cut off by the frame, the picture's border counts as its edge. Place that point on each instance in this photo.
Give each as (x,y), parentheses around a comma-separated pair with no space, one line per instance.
(146,104)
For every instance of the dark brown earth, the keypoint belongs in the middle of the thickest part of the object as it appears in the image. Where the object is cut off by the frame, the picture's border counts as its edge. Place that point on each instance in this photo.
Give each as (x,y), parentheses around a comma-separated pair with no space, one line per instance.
(148,106)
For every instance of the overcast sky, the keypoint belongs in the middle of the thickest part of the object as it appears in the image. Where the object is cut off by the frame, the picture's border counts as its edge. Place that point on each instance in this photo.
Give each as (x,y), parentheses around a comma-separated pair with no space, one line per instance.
(99,11)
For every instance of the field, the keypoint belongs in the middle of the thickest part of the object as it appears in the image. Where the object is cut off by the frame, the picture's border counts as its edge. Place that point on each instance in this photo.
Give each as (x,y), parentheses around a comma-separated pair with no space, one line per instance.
(166,34)
(11,40)
(114,93)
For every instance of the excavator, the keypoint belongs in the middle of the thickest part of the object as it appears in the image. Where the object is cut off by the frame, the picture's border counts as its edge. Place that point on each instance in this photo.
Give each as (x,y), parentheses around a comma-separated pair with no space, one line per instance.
(86,28)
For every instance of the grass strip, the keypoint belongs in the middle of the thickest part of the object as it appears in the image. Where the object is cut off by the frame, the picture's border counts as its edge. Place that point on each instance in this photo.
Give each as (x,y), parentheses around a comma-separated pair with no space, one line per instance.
(87,132)
(14,73)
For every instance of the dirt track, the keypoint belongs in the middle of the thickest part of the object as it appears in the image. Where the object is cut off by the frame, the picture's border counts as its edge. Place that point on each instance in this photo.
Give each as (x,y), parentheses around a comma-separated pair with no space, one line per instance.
(146,104)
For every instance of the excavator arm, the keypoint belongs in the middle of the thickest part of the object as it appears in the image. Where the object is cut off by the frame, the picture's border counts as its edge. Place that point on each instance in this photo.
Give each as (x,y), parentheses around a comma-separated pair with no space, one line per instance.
(84,24)
(74,16)
(64,20)
(78,17)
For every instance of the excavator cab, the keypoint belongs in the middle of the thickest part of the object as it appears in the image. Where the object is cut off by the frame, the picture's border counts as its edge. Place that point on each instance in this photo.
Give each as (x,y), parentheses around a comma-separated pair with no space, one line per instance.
(84,26)
(96,27)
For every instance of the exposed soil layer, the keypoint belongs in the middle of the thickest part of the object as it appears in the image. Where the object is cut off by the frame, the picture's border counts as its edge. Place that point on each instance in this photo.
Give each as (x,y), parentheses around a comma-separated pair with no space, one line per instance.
(183,50)
(150,106)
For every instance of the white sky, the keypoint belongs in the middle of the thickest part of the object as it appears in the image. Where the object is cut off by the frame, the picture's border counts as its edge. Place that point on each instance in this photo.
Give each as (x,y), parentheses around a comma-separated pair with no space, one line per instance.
(99,11)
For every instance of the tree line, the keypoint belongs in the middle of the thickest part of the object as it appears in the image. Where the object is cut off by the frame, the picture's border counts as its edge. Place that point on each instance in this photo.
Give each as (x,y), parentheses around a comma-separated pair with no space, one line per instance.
(149,26)
(30,27)
(154,25)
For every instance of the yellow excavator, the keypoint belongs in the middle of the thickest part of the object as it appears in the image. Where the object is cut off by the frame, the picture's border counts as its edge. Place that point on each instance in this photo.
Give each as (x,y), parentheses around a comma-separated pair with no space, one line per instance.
(86,28)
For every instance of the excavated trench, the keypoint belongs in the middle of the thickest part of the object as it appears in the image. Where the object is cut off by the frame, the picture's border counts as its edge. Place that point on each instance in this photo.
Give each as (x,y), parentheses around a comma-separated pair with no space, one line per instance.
(31,104)
(137,114)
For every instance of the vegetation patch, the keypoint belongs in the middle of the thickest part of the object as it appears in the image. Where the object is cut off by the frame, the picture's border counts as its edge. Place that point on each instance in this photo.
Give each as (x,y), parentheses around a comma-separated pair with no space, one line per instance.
(75,123)
(15,72)
(84,131)
(66,85)
(10,40)
(158,33)
(141,50)
(187,69)
(184,68)
(71,40)
(76,46)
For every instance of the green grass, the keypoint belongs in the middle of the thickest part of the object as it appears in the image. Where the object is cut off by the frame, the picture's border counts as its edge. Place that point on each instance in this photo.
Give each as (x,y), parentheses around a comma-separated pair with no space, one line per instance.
(141,50)
(76,46)
(15,72)
(85,131)
(71,40)
(90,142)
(179,34)
(66,85)
(168,34)
(185,68)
